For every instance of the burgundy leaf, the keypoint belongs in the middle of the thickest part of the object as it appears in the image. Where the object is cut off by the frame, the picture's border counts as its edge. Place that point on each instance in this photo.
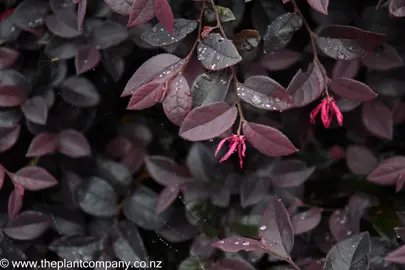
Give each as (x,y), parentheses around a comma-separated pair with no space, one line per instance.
(8,57)
(164,14)
(235,244)
(87,58)
(347,42)
(9,139)
(27,225)
(346,69)
(178,101)
(73,144)
(35,110)
(385,59)
(207,122)
(81,13)
(43,144)
(377,118)
(264,93)
(389,171)
(340,226)
(142,11)
(166,171)
(396,256)
(135,158)
(306,221)
(397,8)
(33,178)
(268,140)
(275,229)
(146,96)
(15,202)
(253,190)
(166,198)
(11,96)
(280,60)
(307,86)
(122,7)
(352,89)
(319,5)
(360,160)
(290,173)
(59,28)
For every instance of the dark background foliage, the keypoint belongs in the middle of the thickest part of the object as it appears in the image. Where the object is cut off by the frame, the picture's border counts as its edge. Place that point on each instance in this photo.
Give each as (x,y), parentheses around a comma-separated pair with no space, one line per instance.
(90,174)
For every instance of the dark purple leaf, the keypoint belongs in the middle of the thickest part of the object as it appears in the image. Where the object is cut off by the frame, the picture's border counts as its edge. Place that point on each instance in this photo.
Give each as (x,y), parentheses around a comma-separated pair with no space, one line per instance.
(81,13)
(122,7)
(146,96)
(9,138)
(280,32)
(351,253)
(11,96)
(346,69)
(31,13)
(290,173)
(43,144)
(69,184)
(340,225)
(389,172)
(114,65)
(80,92)
(319,5)
(8,57)
(58,27)
(253,190)
(177,103)
(207,122)
(164,14)
(27,225)
(385,59)
(280,60)
(264,93)
(360,160)
(73,144)
(35,110)
(108,34)
(33,178)
(347,42)
(8,31)
(15,202)
(235,244)
(268,140)
(61,49)
(306,221)
(307,86)
(159,36)
(9,118)
(177,229)
(396,256)
(397,8)
(346,105)
(352,89)
(216,52)
(142,11)
(232,264)
(166,198)
(87,58)
(377,118)
(202,247)
(166,171)
(200,162)
(275,229)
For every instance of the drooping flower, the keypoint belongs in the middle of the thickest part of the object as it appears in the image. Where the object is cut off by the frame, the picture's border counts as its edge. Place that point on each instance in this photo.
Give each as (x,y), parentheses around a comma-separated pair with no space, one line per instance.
(206,31)
(328,109)
(236,142)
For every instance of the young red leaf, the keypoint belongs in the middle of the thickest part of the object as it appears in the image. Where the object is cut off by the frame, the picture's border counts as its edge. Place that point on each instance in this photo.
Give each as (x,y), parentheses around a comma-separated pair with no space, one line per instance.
(122,7)
(385,59)
(347,42)
(319,5)
(235,244)
(352,89)
(178,101)
(33,178)
(73,144)
(346,68)
(35,110)
(146,96)
(27,225)
(43,144)
(360,160)
(377,118)
(142,11)
(275,229)
(166,198)
(207,122)
(397,8)
(216,52)
(87,58)
(8,57)
(396,256)
(268,140)
(81,13)
(290,173)
(389,171)
(166,171)
(307,86)
(10,138)
(279,60)
(15,202)
(306,221)
(11,96)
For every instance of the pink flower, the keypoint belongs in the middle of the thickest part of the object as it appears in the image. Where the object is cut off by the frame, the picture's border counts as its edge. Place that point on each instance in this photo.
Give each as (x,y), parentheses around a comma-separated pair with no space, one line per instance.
(236,142)
(328,108)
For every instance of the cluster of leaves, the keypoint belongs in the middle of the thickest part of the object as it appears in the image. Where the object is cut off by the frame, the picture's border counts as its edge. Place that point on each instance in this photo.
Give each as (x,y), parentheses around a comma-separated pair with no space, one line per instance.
(231,76)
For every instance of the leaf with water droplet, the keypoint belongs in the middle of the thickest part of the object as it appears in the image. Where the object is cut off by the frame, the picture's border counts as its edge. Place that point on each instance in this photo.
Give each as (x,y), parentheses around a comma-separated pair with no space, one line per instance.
(235,244)
(306,221)
(347,42)
(87,58)
(377,118)
(351,89)
(216,52)
(31,13)
(280,32)
(340,225)
(159,36)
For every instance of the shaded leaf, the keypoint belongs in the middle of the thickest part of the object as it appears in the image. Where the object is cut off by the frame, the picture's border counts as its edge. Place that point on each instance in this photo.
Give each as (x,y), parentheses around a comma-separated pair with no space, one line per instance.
(385,59)
(346,69)
(147,96)
(216,52)
(8,57)
(81,13)
(73,144)
(207,122)
(306,221)
(253,190)
(122,7)
(280,60)
(164,14)
(87,58)
(235,244)
(61,48)
(319,5)
(9,139)
(36,110)
(397,8)
(33,178)
(166,171)
(15,202)
(142,11)
(108,34)
(11,96)
(27,225)
(80,92)
(352,89)
(340,225)
(166,198)
(31,13)
(290,173)
(43,144)
(389,171)
(377,118)
(268,140)
(59,28)
(360,160)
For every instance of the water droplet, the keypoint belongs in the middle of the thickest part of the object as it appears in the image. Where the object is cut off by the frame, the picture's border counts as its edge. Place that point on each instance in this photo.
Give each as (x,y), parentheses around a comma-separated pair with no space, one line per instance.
(154,29)
(245,243)
(262,228)
(221,242)
(236,243)
(256,99)
(349,233)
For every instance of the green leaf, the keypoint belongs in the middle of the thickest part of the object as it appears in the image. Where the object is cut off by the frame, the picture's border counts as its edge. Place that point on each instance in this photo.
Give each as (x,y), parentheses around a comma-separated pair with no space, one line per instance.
(384,219)
(225,14)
